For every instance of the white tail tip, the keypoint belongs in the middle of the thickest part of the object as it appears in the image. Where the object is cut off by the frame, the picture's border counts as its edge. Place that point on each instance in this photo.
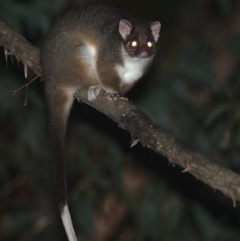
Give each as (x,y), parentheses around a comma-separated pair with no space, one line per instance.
(67,223)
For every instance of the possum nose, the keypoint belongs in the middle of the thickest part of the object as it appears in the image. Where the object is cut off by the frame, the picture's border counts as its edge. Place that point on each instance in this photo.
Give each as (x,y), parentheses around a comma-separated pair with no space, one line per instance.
(143,54)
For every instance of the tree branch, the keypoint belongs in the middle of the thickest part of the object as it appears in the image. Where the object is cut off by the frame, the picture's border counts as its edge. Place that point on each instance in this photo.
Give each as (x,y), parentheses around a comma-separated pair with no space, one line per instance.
(15,44)
(130,118)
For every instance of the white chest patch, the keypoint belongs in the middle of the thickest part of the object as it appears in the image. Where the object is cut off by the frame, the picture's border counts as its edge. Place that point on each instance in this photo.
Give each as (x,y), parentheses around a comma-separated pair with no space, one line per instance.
(132,68)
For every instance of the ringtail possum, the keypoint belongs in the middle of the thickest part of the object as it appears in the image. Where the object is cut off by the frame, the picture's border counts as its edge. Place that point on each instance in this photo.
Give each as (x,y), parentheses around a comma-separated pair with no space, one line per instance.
(97,47)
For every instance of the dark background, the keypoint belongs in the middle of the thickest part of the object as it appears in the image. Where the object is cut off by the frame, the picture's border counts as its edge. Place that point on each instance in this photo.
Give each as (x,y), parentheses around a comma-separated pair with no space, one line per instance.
(118,193)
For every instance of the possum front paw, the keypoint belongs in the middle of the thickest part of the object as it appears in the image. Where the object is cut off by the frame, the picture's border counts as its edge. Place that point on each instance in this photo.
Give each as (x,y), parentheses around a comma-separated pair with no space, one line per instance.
(93,92)
(115,96)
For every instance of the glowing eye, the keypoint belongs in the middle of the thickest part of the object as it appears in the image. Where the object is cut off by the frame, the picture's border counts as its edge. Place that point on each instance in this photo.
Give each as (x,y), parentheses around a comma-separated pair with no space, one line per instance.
(149,44)
(134,43)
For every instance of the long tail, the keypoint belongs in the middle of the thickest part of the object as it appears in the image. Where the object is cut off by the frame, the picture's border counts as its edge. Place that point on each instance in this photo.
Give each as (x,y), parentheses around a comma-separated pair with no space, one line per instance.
(59,105)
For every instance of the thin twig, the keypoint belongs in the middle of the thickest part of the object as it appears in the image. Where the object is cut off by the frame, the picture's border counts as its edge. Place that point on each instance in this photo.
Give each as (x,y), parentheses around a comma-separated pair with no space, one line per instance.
(23,86)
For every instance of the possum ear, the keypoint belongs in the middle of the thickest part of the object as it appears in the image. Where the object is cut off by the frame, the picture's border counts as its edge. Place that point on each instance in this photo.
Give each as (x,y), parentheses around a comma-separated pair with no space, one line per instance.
(155,29)
(125,28)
